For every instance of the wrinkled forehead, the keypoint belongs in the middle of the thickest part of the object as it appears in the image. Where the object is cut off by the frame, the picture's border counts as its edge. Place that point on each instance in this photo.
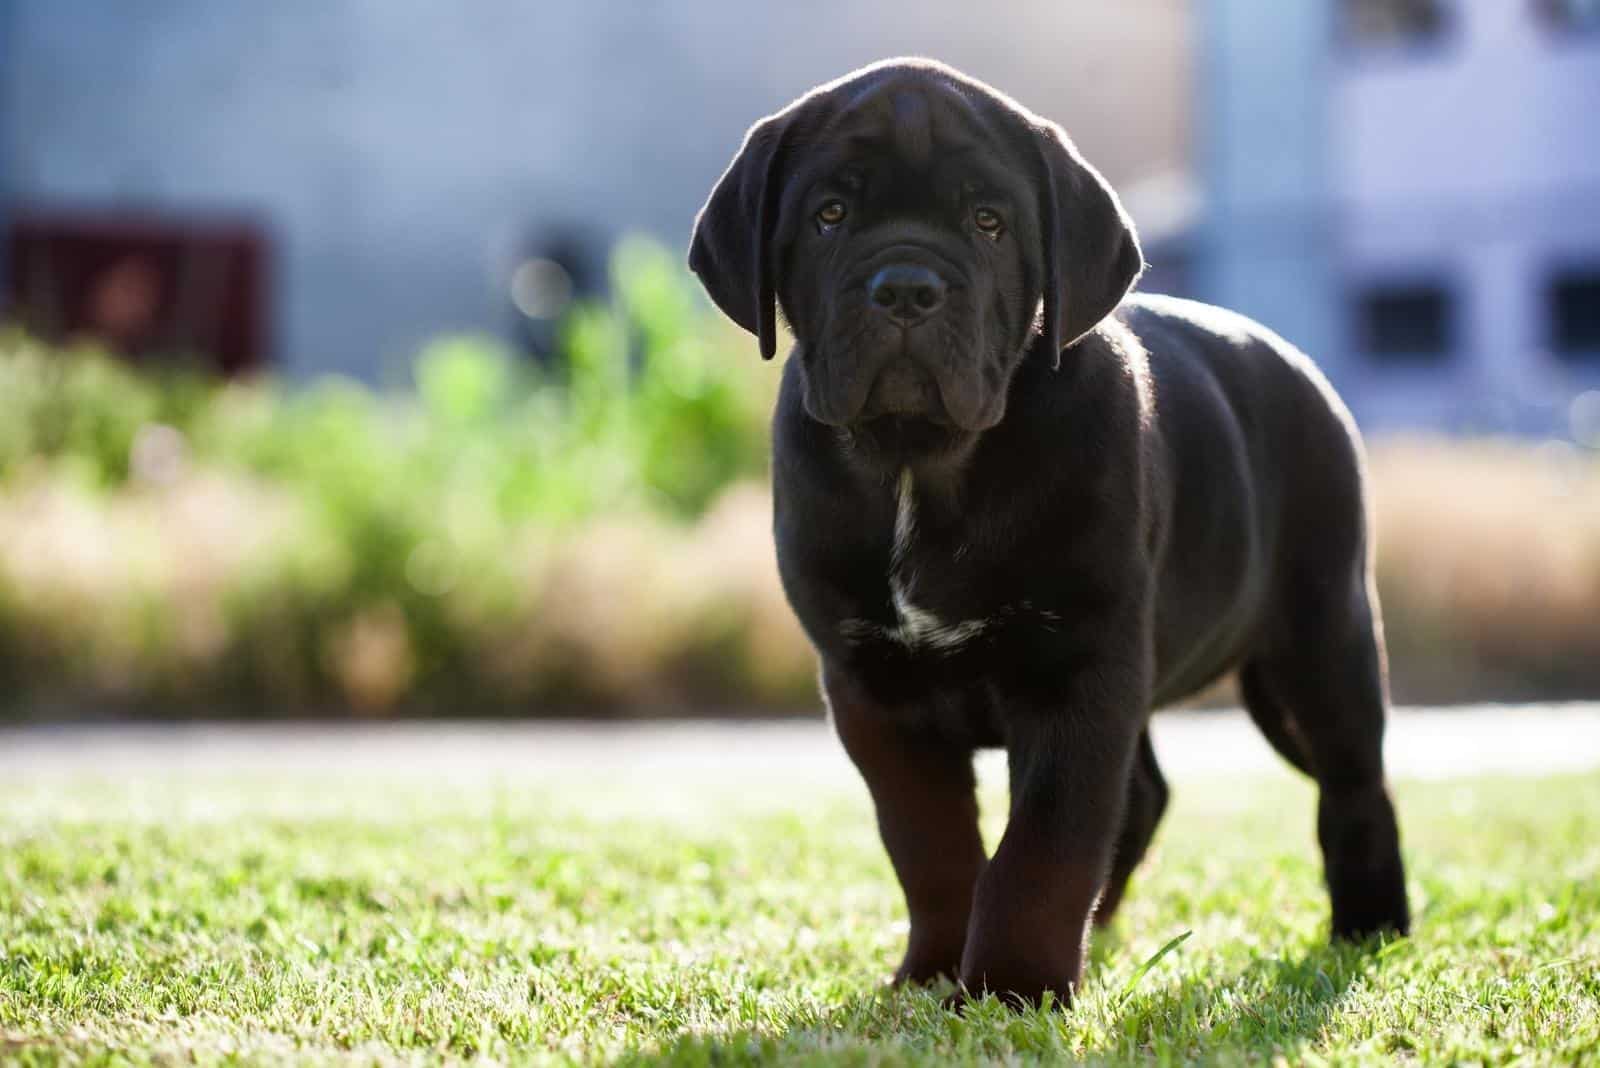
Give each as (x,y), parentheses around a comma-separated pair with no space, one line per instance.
(919,119)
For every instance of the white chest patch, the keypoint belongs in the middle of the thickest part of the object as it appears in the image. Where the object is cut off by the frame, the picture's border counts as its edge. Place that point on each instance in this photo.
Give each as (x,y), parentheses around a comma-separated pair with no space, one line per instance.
(917,628)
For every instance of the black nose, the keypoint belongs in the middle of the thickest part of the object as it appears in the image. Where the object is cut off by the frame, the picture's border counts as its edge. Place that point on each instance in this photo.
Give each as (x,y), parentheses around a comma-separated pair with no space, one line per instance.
(907,293)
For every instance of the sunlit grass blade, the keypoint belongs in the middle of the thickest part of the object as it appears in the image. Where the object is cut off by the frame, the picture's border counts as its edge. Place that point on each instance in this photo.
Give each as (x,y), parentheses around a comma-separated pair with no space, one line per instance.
(1144,969)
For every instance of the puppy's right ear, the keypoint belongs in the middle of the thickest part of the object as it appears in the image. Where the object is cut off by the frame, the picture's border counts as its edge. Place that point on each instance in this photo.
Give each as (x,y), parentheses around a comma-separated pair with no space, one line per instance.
(730,250)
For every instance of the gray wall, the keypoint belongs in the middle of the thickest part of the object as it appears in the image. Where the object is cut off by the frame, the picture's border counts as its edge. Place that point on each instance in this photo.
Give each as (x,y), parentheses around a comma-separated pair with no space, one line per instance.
(7,62)
(1476,161)
(398,151)
(1265,247)
(1470,159)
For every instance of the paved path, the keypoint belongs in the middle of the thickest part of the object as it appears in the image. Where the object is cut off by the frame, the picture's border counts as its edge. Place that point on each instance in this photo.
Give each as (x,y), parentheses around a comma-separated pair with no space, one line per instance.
(1431,744)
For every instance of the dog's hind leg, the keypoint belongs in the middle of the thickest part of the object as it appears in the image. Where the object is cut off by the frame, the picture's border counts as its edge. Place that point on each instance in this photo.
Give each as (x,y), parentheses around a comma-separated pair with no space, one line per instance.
(1329,678)
(1270,717)
(1147,800)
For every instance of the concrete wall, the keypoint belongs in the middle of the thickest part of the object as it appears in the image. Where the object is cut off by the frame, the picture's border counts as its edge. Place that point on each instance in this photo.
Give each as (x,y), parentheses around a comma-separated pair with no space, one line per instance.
(1471,159)
(7,62)
(399,152)
(1265,248)
(1475,159)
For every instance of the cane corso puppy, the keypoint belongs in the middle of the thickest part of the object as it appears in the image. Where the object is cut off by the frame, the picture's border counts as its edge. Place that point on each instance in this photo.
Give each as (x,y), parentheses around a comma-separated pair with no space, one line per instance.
(1015,506)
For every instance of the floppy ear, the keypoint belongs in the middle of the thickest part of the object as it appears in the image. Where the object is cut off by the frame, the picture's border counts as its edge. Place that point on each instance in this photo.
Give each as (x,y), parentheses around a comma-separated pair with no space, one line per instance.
(1091,253)
(729,250)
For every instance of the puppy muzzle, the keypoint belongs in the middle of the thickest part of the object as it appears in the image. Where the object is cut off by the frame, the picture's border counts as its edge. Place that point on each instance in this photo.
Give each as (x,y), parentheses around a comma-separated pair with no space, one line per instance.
(903,388)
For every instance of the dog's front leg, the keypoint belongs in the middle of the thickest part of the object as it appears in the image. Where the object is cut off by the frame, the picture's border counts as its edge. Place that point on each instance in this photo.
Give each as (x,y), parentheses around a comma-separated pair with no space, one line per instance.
(923,791)
(1031,910)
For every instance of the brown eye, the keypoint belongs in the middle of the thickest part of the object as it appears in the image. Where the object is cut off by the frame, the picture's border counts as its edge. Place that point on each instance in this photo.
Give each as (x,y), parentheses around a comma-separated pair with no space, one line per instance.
(832,213)
(987,220)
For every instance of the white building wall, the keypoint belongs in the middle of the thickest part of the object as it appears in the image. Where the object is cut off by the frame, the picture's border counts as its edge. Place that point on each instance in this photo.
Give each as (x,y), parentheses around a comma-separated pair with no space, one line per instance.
(1503,108)
(1474,159)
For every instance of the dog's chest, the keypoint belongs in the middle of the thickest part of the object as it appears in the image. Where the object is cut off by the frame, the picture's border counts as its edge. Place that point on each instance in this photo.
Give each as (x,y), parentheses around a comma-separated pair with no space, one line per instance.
(938,601)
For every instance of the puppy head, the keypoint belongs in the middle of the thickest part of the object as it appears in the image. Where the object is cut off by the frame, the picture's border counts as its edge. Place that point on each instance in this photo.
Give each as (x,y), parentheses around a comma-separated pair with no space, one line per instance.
(922,234)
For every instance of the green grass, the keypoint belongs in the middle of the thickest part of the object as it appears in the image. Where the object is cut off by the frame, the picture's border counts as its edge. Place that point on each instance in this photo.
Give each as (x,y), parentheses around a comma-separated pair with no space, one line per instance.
(352,921)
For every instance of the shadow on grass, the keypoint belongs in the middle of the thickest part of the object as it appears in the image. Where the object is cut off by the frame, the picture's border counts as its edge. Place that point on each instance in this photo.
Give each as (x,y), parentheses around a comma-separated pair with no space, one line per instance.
(1274,1005)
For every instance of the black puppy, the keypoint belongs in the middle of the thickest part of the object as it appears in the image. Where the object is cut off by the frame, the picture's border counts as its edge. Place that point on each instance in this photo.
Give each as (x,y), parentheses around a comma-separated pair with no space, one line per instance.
(1014,508)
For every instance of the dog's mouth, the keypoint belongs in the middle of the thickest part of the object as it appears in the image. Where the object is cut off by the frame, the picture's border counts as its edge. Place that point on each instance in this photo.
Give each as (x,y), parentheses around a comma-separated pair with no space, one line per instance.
(905,418)
(904,391)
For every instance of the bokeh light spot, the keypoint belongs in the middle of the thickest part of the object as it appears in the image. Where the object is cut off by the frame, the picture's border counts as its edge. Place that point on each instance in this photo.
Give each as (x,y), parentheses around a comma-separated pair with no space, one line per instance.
(1583,417)
(541,289)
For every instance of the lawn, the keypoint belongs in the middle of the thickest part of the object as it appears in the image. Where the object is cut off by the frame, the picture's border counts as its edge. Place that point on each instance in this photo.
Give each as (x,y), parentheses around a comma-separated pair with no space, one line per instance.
(343,920)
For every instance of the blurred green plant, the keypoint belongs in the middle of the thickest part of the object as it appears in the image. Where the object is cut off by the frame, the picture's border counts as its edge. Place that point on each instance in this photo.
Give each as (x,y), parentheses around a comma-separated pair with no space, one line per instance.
(409,531)
(646,407)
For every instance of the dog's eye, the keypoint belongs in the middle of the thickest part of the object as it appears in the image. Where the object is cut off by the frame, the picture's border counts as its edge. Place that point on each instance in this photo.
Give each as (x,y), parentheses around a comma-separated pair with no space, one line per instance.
(832,213)
(988,220)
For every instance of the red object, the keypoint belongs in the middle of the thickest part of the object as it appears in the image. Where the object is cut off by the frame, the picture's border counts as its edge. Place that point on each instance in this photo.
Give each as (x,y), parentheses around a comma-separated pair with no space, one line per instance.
(152,288)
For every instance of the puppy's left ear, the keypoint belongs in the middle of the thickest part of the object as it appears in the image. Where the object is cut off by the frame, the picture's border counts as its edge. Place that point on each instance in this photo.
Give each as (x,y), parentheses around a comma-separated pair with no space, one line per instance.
(730,250)
(1091,253)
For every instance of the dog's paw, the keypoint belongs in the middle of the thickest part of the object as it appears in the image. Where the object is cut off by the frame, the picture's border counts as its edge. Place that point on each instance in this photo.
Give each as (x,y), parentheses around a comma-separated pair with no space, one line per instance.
(1373,906)
(1377,925)
(923,973)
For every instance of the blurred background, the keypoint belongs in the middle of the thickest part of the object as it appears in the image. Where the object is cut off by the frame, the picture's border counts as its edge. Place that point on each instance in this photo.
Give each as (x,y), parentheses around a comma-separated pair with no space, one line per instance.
(350,365)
